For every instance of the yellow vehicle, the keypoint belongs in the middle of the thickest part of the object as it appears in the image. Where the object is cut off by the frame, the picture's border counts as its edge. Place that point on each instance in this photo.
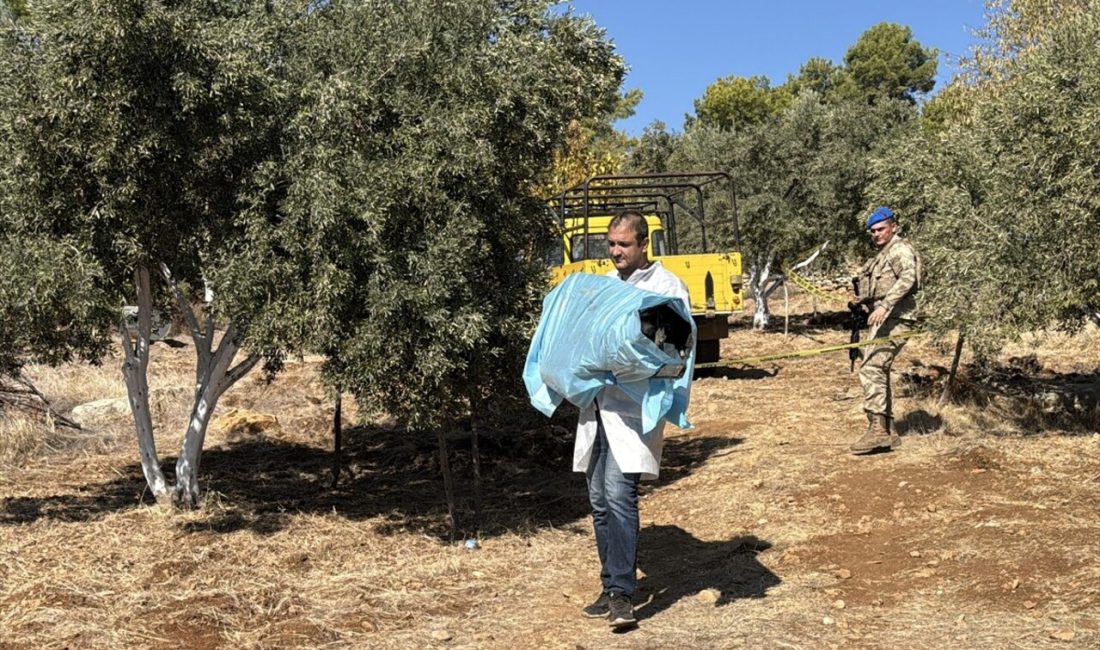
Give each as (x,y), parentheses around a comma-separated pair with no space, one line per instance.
(713,279)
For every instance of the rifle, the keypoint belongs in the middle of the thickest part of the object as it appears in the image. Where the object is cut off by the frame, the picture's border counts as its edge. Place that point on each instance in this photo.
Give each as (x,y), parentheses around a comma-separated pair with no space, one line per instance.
(857,320)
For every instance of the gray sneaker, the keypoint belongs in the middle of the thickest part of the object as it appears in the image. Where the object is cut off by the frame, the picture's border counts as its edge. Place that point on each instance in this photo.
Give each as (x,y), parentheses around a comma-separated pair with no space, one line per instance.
(621,612)
(599,608)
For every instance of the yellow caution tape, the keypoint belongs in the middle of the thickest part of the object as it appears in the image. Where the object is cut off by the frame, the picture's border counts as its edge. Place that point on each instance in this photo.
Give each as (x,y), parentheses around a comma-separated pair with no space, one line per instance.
(812,289)
(755,361)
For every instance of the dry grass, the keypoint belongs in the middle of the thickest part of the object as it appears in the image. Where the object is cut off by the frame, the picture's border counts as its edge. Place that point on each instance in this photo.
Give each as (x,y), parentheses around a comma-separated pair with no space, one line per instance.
(762,532)
(19,437)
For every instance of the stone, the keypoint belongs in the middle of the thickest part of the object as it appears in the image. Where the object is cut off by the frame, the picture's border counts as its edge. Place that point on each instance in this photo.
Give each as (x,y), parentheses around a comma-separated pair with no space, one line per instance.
(101,409)
(441,635)
(709,596)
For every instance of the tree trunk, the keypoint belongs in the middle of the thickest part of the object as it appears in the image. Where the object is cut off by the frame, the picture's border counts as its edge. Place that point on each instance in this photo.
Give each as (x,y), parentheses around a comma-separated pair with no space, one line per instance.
(337,438)
(135,367)
(759,271)
(214,374)
(448,480)
(950,385)
(786,312)
(762,284)
(210,384)
(212,377)
(475,453)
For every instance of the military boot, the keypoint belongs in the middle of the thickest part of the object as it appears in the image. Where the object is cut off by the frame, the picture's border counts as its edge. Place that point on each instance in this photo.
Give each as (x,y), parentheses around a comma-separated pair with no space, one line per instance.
(895,439)
(877,436)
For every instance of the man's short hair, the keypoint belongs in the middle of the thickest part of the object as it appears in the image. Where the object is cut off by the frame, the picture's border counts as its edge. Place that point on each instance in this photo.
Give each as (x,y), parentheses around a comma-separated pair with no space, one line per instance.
(635,220)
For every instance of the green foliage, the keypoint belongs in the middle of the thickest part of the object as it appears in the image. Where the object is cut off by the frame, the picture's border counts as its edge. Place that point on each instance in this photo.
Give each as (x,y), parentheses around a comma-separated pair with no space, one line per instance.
(817,75)
(13,8)
(408,240)
(53,310)
(128,130)
(887,62)
(593,146)
(1006,202)
(356,179)
(952,105)
(801,151)
(652,151)
(801,177)
(1013,27)
(740,102)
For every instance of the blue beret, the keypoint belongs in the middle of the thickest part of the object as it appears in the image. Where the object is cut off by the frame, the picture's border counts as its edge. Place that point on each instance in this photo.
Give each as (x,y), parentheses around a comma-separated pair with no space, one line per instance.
(880,214)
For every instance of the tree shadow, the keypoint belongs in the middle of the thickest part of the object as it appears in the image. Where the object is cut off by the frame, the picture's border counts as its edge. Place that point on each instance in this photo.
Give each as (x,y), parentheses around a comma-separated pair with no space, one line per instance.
(1019,390)
(677,565)
(918,422)
(391,475)
(93,502)
(741,373)
(806,324)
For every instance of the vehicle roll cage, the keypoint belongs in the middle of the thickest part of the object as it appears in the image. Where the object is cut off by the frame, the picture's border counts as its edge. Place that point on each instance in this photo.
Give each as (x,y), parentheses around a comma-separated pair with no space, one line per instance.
(658,194)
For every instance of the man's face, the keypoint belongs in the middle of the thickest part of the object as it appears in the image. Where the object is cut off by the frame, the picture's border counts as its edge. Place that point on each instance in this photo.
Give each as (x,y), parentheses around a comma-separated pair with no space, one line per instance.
(626,251)
(882,232)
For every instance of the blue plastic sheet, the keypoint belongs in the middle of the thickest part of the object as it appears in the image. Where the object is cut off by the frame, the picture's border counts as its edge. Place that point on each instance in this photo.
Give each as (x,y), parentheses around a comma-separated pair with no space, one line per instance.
(589,337)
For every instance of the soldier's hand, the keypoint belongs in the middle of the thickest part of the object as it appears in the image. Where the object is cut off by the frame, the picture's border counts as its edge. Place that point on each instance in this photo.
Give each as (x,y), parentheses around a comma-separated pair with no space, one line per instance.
(877,317)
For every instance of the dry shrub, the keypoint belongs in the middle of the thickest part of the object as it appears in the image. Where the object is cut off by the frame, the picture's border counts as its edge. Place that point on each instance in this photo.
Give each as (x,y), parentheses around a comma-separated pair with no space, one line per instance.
(19,437)
(77,383)
(23,438)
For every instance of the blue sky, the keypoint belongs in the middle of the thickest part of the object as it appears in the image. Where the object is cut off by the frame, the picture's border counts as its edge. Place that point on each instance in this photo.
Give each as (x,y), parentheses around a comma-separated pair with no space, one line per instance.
(676,49)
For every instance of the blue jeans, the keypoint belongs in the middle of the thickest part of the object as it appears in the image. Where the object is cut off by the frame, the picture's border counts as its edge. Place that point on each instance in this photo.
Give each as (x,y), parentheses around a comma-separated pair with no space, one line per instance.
(614,499)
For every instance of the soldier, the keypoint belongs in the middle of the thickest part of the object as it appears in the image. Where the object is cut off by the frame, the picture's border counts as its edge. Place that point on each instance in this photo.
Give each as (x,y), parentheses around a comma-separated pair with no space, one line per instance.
(888,285)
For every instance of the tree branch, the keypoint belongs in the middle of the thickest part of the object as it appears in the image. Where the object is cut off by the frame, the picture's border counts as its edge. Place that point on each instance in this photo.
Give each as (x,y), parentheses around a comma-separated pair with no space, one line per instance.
(813,256)
(776,282)
(184,304)
(44,407)
(127,346)
(236,372)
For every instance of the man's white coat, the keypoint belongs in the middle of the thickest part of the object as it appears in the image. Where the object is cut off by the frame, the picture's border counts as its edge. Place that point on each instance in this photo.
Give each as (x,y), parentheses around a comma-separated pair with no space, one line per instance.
(621,416)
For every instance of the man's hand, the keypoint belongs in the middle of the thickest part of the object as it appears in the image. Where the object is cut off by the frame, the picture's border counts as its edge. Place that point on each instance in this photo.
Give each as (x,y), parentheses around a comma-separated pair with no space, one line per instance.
(877,317)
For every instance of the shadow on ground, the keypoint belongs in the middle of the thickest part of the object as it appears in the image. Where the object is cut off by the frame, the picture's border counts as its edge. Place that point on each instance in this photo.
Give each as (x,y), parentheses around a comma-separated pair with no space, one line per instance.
(677,565)
(808,324)
(1020,390)
(742,372)
(259,484)
(918,423)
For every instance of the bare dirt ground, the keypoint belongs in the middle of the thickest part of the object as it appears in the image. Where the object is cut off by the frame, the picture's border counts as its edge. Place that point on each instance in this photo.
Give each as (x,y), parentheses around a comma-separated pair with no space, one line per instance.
(981,531)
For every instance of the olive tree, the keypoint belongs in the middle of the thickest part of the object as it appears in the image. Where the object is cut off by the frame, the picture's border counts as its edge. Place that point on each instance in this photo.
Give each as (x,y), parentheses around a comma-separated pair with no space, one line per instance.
(410,234)
(801,181)
(130,132)
(800,151)
(353,178)
(1004,194)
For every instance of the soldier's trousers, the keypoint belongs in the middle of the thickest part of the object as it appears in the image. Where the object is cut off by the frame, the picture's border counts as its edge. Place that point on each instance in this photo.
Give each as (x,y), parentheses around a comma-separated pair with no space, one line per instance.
(874,372)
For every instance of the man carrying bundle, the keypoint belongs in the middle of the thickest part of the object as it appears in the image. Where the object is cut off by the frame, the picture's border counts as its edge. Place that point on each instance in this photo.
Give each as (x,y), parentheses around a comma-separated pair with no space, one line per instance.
(610,447)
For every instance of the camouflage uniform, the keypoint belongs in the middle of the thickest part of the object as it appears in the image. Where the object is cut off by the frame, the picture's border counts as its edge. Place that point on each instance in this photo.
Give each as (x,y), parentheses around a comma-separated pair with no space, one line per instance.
(891,281)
